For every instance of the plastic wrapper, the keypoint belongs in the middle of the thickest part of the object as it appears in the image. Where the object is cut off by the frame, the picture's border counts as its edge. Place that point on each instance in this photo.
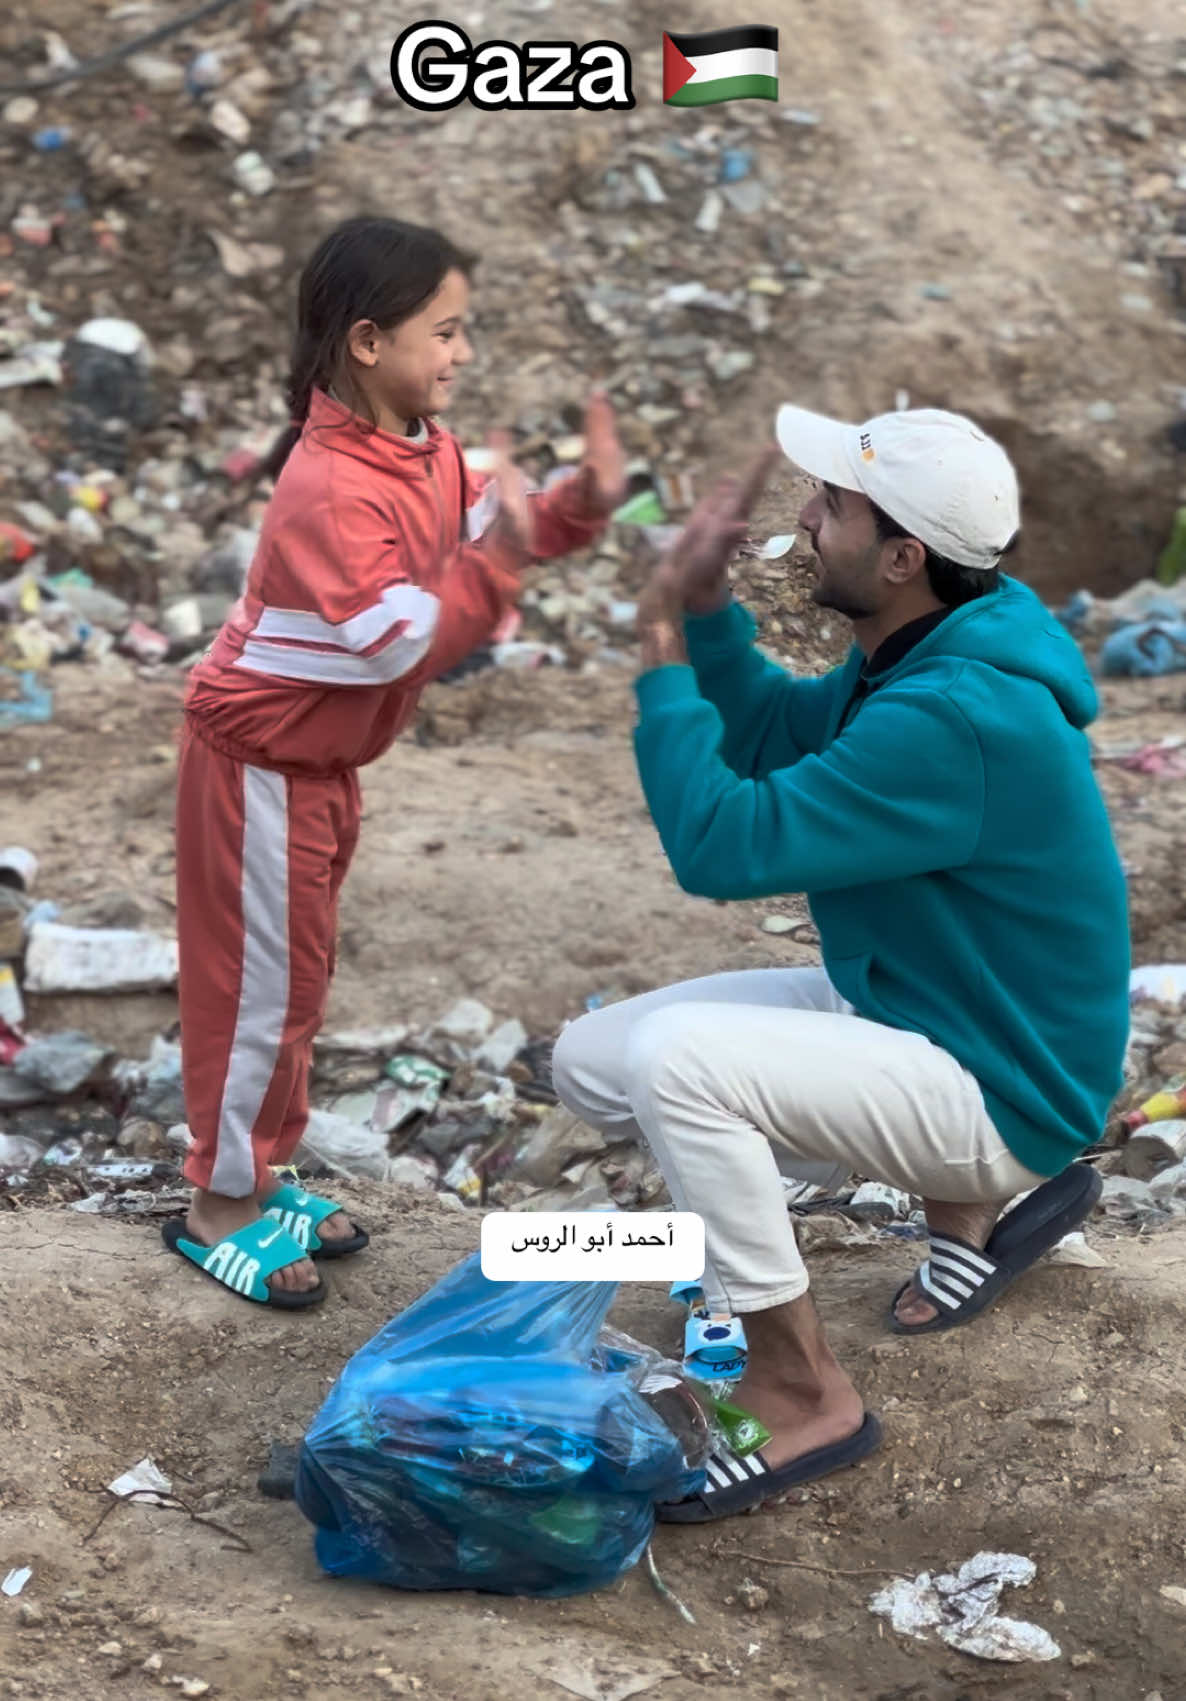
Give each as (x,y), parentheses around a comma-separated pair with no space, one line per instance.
(488,1439)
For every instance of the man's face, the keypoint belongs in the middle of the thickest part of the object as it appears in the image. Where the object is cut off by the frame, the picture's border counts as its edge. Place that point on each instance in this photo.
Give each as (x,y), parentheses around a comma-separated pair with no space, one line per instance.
(848,549)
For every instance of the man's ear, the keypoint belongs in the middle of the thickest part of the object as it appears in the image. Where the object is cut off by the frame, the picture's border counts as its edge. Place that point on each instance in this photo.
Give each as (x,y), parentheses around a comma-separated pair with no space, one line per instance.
(905,559)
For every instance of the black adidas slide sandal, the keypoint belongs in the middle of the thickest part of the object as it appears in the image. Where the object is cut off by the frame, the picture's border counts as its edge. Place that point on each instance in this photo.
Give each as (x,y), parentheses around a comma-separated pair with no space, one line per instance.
(961,1280)
(735,1484)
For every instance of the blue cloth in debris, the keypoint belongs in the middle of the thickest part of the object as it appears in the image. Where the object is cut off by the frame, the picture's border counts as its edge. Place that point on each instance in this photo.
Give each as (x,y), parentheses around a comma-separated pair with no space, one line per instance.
(483,1440)
(1150,647)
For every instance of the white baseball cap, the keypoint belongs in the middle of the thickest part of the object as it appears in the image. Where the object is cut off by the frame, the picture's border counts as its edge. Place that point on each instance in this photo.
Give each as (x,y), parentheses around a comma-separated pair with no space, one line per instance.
(937,474)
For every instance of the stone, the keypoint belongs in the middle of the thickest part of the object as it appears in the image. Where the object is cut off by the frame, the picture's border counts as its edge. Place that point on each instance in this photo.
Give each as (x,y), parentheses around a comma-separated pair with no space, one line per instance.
(752,1596)
(468,1021)
(104,909)
(60,1064)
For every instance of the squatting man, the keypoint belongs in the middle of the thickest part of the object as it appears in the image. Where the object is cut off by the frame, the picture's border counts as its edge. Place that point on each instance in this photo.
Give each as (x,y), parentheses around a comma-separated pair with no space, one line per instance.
(933,797)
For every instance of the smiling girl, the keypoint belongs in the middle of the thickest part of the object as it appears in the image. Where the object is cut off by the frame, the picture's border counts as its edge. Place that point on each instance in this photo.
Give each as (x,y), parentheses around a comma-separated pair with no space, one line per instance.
(382,562)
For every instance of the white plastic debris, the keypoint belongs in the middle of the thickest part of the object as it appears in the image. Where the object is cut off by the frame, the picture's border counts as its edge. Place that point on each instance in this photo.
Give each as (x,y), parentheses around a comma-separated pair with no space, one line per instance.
(98,959)
(960,1609)
(349,1148)
(1165,982)
(146,1481)
(503,1046)
(18,868)
(117,336)
(778,546)
(1073,1249)
(15,1581)
(468,1021)
(873,1201)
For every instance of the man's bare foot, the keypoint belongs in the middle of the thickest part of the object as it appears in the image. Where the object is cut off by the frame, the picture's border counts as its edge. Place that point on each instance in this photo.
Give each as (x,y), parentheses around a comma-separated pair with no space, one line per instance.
(212,1216)
(973,1223)
(794,1385)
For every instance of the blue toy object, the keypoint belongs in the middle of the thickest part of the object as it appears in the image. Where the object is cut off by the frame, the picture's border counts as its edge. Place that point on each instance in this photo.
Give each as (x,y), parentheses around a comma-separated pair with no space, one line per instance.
(482,1440)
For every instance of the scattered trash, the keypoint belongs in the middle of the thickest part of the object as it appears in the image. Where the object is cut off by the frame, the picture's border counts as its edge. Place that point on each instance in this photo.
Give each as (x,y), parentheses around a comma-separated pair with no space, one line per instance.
(1073,1249)
(485,1439)
(1163,981)
(961,1609)
(1156,1147)
(145,1482)
(1153,647)
(1171,564)
(18,868)
(15,1581)
(778,547)
(82,959)
(1167,1105)
(874,1202)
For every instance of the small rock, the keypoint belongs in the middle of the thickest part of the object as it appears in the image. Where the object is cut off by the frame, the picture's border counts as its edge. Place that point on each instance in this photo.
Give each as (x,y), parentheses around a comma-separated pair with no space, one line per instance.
(111,1650)
(104,909)
(752,1596)
(1102,413)
(152,1664)
(62,1063)
(230,122)
(730,363)
(254,174)
(1174,1596)
(779,924)
(709,216)
(156,72)
(192,1687)
(31,1615)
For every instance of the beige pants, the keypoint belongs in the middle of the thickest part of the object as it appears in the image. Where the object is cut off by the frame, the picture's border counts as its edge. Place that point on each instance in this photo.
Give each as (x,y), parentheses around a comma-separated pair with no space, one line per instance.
(717,1073)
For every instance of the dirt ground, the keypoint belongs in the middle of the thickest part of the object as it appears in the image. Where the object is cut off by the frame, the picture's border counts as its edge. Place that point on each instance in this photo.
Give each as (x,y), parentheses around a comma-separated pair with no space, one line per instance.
(506,854)
(1053,1428)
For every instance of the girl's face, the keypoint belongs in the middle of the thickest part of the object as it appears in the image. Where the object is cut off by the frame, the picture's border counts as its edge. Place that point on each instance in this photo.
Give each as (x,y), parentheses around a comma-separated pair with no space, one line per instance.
(409,371)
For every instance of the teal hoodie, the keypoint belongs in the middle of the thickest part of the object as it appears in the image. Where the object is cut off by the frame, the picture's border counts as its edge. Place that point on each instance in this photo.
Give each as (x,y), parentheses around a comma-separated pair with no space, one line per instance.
(948,832)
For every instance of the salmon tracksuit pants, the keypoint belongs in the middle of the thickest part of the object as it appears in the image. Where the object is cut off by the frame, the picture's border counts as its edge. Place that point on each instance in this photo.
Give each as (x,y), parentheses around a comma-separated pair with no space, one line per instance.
(376,571)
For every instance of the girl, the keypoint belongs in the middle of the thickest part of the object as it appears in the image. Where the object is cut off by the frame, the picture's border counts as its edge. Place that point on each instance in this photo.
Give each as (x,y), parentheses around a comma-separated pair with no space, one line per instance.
(382,561)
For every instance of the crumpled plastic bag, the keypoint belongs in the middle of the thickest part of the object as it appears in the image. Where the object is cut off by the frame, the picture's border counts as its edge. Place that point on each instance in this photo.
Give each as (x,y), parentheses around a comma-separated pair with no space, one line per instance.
(961,1609)
(488,1439)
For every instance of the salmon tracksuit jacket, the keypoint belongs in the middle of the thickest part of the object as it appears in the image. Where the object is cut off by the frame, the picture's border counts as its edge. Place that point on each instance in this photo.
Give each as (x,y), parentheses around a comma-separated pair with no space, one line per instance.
(376,571)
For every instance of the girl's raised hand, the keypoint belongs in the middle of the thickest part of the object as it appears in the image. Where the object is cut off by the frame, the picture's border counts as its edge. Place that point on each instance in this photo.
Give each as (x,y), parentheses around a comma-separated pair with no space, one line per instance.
(513,524)
(604,466)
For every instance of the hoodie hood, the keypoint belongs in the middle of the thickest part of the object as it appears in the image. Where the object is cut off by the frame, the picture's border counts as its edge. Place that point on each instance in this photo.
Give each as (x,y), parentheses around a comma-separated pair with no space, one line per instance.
(329,422)
(1012,631)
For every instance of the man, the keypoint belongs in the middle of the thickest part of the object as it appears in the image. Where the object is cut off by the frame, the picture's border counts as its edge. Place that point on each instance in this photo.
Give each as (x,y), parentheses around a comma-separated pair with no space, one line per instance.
(933,797)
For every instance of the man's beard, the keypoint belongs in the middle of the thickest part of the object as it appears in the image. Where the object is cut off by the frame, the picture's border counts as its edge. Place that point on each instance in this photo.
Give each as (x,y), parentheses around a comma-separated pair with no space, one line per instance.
(847,603)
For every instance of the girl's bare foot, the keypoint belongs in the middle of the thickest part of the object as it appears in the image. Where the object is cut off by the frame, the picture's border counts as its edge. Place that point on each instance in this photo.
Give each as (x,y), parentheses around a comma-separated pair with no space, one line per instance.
(212,1216)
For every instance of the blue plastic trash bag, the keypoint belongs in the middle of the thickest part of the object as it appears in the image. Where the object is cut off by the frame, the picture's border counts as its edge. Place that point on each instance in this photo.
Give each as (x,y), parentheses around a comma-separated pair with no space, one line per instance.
(1152,647)
(486,1439)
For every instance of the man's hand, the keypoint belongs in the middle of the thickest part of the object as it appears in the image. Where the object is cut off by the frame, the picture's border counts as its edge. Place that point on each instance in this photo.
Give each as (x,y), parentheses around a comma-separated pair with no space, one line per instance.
(603,470)
(701,554)
(661,620)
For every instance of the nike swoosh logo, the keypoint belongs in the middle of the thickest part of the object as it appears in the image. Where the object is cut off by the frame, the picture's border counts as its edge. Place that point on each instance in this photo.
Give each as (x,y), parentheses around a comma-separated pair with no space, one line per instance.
(270,1239)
